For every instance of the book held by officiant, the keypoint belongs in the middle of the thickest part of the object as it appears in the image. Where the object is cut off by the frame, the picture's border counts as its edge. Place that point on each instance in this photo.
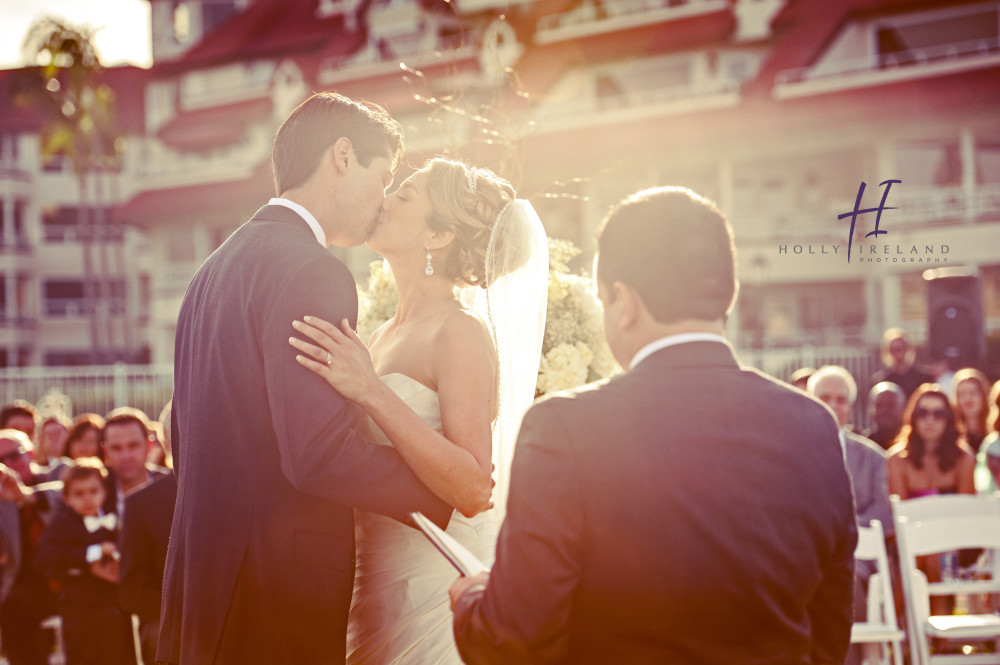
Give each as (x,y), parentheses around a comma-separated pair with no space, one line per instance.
(464,561)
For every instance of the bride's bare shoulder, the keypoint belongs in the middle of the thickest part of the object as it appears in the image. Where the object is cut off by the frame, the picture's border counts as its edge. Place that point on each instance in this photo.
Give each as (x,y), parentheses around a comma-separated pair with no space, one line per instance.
(462,329)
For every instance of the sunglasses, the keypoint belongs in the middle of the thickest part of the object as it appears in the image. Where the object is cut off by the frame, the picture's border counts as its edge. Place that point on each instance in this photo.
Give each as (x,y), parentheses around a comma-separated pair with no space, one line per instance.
(938,414)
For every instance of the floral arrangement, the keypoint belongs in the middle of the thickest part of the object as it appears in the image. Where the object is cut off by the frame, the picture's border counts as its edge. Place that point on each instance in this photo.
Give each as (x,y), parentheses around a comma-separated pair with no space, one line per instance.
(377,304)
(574,351)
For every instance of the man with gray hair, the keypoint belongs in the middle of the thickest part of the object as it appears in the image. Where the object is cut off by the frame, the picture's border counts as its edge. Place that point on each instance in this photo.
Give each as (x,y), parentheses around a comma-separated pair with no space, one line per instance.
(867,466)
(866,462)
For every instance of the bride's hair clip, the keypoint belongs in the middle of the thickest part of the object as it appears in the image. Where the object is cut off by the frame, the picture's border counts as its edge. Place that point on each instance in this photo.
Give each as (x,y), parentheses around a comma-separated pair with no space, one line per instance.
(471,175)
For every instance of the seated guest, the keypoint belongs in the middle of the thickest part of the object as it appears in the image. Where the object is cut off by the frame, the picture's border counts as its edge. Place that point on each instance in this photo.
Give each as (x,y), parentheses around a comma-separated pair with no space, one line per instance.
(988,460)
(620,545)
(79,551)
(866,464)
(930,458)
(800,377)
(52,438)
(84,439)
(126,445)
(970,397)
(26,506)
(144,539)
(899,357)
(886,402)
(20,415)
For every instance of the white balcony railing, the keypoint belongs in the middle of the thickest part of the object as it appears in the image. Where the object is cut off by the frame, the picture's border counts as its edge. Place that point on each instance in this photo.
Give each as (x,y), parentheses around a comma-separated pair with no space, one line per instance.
(930,205)
(913,60)
(612,15)
(638,99)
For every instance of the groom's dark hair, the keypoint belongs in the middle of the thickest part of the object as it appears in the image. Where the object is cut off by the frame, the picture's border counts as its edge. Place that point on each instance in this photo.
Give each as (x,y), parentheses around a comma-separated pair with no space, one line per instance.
(318,122)
(675,249)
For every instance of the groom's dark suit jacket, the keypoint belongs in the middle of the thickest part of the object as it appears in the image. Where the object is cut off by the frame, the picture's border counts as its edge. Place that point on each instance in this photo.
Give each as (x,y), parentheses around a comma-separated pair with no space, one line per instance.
(689,511)
(269,469)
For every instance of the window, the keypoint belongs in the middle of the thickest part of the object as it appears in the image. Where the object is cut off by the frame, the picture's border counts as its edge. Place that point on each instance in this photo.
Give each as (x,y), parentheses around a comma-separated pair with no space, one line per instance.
(929,163)
(988,160)
(182,22)
(64,297)
(909,42)
(60,224)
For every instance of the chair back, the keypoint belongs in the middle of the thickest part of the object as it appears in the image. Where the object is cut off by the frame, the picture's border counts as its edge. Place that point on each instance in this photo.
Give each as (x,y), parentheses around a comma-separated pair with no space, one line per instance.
(880,630)
(936,524)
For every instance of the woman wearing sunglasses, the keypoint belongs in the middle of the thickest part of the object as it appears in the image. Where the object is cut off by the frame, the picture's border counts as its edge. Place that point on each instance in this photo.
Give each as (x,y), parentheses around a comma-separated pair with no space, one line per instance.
(931,457)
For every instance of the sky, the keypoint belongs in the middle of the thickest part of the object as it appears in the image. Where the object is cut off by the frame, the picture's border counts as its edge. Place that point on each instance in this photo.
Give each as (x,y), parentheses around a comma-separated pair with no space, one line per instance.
(122,35)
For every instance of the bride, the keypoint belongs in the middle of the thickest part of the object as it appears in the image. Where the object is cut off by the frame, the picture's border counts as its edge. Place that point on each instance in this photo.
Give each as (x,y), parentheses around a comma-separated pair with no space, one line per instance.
(442,383)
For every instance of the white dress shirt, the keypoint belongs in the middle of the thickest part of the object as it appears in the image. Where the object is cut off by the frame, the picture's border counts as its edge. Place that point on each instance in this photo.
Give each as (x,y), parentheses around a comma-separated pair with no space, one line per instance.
(673,340)
(304,214)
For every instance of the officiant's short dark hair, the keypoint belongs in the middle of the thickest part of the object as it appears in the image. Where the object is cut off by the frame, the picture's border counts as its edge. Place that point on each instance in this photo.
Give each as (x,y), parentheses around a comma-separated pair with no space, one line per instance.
(318,122)
(675,248)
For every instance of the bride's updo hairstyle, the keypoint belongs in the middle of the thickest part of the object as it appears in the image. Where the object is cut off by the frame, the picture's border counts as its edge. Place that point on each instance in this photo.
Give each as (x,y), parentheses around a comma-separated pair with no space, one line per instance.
(467,201)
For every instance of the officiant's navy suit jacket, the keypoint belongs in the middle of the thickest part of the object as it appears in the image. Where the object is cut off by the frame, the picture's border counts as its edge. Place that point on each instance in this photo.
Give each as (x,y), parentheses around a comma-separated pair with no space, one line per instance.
(260,562)
(689,511)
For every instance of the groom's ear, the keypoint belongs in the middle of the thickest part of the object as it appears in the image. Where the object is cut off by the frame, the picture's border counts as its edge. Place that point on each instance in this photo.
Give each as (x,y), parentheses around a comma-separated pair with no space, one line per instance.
(341,152)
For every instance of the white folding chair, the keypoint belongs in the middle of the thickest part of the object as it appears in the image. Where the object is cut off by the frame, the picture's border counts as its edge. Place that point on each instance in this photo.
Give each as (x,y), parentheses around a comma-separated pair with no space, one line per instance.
(880,632)
(928,528)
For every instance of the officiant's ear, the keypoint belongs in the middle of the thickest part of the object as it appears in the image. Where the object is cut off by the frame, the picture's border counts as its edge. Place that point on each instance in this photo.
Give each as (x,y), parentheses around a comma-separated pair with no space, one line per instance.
(341,152)
(628,303)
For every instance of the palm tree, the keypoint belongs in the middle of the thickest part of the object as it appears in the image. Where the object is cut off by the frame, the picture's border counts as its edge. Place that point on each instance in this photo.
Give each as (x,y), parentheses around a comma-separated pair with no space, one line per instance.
(79,123)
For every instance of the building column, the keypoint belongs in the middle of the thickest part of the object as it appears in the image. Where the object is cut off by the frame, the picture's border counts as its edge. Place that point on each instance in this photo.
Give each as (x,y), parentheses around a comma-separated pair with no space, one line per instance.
(967,153)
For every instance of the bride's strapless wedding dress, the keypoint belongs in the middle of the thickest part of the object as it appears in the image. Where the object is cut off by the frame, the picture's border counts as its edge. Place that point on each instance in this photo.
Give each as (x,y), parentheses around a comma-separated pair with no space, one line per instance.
(400,611)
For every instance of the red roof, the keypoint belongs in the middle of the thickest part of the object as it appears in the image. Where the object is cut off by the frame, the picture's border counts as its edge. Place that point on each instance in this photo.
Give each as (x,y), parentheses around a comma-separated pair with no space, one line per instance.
(806,28)
(234,199)
(267,28)
(214,126)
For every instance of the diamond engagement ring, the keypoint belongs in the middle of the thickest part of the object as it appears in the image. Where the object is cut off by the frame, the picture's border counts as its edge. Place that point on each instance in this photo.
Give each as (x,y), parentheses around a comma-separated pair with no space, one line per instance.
(329,359)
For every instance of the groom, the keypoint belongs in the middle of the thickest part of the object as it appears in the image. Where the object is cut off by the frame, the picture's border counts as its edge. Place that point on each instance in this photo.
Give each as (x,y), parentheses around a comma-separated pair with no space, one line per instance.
(689,511)
(269,468)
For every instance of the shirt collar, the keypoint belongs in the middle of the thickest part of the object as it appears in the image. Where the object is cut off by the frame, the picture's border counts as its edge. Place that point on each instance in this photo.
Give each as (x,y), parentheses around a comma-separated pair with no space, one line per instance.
(304,214)
(672,340)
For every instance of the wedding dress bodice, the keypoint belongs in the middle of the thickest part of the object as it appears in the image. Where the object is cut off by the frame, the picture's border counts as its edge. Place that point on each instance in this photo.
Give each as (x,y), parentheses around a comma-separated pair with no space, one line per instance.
(400,611)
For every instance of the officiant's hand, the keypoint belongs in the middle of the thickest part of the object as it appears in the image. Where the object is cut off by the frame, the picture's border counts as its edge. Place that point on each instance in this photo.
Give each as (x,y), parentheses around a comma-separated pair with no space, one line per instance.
(464,584)
(338,356)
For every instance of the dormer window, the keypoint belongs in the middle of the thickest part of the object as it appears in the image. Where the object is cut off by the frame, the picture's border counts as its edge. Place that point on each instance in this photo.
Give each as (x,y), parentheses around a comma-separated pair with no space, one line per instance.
(182,22)
(907,40)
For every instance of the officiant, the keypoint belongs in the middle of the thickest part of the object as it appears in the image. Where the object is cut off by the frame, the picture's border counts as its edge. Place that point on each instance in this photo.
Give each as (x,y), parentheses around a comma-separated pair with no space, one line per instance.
(691,510)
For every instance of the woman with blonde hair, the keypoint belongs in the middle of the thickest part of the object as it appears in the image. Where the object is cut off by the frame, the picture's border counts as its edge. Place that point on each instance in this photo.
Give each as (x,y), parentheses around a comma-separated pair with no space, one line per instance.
(969,394)
(446,382)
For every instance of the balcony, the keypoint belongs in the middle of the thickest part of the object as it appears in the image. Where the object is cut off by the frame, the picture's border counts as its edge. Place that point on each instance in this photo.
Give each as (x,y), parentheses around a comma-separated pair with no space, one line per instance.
(614,15)
(928,206)
(636,104)
(884,68)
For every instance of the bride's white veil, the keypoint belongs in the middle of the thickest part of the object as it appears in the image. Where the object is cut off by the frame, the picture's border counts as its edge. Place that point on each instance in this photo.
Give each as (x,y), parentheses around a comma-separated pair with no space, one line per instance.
(517,271)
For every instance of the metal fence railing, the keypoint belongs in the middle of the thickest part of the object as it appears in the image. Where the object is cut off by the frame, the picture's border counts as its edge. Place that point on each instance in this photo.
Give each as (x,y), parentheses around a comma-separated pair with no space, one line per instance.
(94,389)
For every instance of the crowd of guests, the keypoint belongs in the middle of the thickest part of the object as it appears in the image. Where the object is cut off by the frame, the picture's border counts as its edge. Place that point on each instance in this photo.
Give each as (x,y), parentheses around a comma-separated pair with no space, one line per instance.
(86,503)
(85,511)
(931,432)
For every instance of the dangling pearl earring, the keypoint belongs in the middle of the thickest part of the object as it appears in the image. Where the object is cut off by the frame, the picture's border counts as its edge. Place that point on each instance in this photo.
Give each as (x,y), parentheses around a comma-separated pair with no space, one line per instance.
(428,269)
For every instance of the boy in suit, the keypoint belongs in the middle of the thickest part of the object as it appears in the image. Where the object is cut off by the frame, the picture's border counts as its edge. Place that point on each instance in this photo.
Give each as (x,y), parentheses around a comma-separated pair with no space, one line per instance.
(78,549)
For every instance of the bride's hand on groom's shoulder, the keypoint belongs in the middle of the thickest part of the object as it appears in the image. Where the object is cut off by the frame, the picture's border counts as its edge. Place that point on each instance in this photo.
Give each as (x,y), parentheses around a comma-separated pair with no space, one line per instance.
(336,354)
